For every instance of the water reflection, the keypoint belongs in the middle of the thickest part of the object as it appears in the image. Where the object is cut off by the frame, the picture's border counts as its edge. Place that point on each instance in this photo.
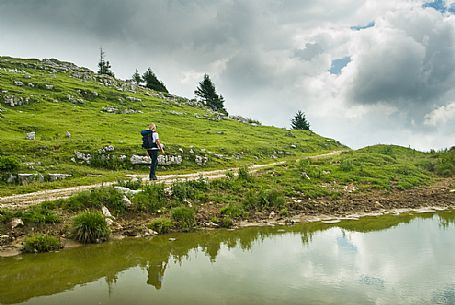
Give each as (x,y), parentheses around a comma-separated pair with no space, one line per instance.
(28,276)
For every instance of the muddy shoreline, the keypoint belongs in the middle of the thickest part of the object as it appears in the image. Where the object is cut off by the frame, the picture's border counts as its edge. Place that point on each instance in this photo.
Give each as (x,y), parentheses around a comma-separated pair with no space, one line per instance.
(351,206)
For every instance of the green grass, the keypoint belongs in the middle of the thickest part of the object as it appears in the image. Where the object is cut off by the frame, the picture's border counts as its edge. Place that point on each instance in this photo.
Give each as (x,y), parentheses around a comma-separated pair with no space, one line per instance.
(38,214)
(91,129)
(90,227)
(41,243)
(161,225)
(184,218)
(95,199)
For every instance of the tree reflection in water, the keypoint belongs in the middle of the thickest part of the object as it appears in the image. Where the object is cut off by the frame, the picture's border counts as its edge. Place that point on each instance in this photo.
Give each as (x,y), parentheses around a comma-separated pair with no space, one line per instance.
(22,278)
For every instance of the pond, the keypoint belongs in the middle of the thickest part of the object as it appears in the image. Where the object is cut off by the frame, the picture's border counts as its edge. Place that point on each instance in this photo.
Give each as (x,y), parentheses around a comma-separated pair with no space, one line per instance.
(406,259)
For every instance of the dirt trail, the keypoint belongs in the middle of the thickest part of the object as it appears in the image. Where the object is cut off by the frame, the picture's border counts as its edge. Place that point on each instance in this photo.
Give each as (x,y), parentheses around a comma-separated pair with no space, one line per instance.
(25,200)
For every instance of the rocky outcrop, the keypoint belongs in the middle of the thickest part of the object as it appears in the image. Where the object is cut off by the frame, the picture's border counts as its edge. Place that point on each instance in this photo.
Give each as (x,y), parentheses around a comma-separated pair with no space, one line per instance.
(55,177)
(111,109)
(133,99)
(162,160)
(201,160)
(29,178)
(30,136)
(81,158)
(13,101)
(75,100)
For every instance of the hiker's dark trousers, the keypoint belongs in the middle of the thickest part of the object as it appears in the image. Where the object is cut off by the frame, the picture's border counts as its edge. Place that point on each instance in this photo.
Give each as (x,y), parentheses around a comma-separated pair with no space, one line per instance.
(154,156)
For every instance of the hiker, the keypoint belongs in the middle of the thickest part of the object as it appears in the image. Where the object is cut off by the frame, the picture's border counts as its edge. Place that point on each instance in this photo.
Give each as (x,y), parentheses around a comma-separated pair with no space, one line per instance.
(151,142)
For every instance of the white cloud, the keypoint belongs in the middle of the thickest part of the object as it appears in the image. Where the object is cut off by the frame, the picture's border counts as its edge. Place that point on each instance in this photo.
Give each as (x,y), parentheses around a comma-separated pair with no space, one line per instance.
(440,115)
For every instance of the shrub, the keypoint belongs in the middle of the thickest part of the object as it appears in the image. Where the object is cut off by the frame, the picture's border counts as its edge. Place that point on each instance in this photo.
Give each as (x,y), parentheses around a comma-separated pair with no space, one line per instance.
(151,199)
(90,227)
(244,174)
(184,218)
(201,183)
(130,183)
(161,225)
(225,222)
(264,200)
(182,190)
(96,198)
(232,210)
(39,214)
(41,243)
(346,165)
(8,166)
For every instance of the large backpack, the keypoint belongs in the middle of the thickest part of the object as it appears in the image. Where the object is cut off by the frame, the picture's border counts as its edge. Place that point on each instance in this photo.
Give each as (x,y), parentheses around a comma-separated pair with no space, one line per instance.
(147,139)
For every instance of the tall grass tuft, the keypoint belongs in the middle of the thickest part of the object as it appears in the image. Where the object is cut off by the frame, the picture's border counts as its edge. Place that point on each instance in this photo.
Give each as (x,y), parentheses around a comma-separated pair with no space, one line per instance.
(90,227)
(264,200)
(183,218)
(161,225)
(151,199)
(41,243)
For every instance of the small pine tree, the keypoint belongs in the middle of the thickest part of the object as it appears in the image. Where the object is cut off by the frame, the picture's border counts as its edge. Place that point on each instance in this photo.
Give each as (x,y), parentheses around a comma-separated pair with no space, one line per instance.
(152,82)
(136,78)
(300,122)
(104,66)
(207,92)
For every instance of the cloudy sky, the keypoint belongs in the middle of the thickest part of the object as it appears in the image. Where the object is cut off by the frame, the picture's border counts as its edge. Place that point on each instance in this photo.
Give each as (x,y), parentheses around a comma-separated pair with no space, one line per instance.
(363,71)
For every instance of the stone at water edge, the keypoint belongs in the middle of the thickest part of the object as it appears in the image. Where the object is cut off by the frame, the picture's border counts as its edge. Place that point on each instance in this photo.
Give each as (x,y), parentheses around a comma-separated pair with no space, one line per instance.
(16,222)
(4,240)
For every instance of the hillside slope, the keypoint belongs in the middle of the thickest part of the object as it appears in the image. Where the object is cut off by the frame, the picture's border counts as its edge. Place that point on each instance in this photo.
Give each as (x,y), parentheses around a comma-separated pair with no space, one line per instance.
(75,112)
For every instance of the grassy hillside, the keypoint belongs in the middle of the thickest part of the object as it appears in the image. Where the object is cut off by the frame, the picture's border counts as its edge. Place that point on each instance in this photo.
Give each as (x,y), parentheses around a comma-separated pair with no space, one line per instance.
(55,97)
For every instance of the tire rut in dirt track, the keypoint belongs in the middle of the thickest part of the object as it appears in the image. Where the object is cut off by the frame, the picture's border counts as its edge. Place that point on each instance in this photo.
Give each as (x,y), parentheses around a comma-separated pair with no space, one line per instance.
(29,199)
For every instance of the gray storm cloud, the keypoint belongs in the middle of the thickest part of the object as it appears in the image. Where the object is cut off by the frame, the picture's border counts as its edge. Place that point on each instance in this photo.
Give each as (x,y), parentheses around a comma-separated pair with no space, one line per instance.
(409,63)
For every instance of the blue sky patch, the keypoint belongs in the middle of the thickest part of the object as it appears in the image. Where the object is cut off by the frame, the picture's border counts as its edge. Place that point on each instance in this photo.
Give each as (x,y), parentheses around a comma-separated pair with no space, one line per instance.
(363,27)
(339,64)
(438,5)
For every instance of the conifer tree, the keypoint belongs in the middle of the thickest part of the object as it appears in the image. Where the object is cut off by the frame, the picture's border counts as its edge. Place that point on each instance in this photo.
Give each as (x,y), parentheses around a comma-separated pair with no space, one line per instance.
(207,92)
(104,66)
(300,121)
(152,82)
(136,78)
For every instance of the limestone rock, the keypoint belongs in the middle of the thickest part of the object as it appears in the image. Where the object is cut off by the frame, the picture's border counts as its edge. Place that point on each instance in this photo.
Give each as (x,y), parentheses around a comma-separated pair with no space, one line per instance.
(68,134)
(127,202)
(18,83)
(16,100)
(30,135)
(169,160)
(200,160)
(106,212)
(54,177)
(305,175)
(83,158)
(4,240)
(16,222)
(136,160)
(133,99)
(49,87)
(293,146)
